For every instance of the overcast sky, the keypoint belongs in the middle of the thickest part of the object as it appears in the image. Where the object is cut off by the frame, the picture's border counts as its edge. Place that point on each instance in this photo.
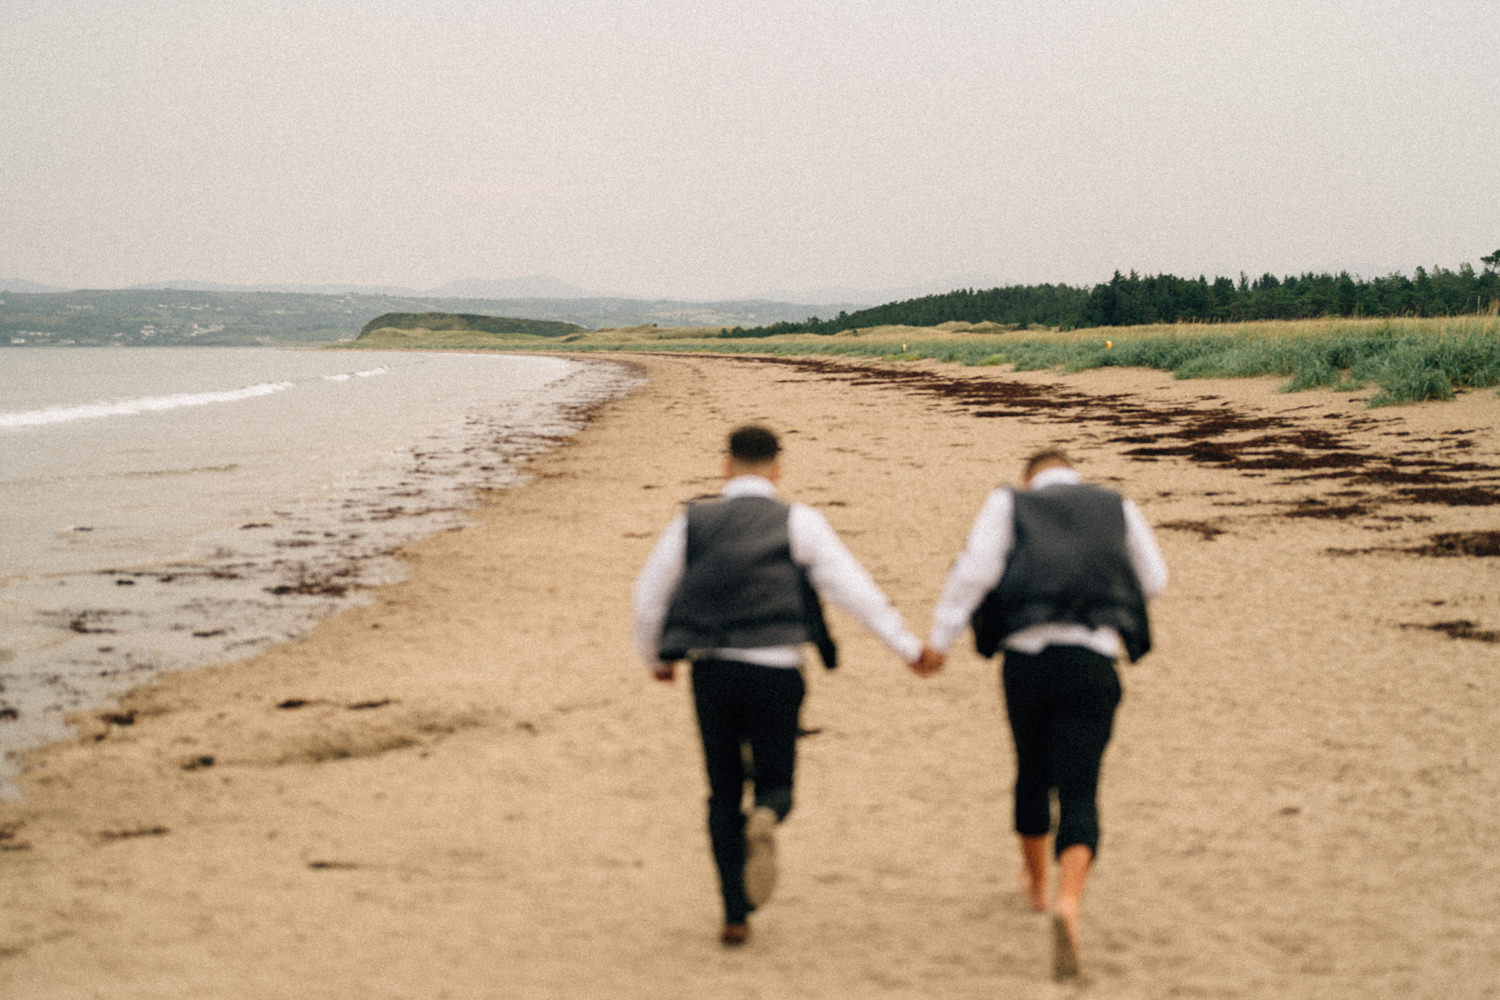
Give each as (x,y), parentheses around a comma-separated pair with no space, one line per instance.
(696,150)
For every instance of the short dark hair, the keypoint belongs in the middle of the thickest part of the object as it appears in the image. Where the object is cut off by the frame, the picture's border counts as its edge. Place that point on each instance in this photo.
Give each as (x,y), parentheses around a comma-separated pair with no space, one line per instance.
(1046,456)
(753,445)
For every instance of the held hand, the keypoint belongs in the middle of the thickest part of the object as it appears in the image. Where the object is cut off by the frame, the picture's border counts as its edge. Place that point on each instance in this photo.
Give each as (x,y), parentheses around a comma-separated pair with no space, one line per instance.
(934,660)
(929,663)
(666,671)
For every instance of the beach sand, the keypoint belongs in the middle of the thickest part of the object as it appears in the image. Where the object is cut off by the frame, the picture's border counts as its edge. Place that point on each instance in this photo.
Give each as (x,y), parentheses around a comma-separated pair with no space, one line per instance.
(470,788)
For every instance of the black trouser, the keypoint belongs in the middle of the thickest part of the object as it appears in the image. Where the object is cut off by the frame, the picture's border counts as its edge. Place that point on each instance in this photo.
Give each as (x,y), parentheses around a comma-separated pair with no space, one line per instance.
(740,704)
(1061,703)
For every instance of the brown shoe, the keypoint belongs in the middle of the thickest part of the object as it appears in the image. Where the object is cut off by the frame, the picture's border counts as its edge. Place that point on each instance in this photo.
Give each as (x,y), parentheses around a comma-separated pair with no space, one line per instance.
(734,935)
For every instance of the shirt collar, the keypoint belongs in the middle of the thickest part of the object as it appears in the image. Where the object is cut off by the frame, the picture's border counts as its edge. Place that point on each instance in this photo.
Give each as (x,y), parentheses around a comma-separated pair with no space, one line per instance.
(749,486)
(1055,476)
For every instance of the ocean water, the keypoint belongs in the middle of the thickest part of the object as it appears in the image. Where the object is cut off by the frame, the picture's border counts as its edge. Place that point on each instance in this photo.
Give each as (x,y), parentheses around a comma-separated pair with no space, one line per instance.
(165,508)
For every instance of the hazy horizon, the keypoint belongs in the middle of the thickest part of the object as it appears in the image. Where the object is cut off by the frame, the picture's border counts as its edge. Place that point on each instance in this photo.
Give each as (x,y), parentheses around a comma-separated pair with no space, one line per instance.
(774,150)
(532,286)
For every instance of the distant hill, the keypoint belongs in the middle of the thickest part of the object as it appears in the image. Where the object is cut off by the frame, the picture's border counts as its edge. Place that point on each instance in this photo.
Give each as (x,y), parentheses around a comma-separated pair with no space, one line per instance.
(500,325)
(22,285)
(538,286)
(283,289)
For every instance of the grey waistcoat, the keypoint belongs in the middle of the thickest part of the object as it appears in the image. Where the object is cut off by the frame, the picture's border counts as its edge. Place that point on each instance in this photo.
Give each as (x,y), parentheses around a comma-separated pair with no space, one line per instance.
(740,588)
(1069,565)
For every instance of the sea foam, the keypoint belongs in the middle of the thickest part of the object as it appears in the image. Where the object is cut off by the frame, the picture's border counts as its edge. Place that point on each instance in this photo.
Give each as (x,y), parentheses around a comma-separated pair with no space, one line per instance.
(131,407)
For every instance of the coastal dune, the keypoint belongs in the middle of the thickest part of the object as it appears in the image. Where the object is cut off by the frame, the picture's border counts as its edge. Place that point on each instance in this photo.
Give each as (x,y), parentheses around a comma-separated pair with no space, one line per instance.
(470,788)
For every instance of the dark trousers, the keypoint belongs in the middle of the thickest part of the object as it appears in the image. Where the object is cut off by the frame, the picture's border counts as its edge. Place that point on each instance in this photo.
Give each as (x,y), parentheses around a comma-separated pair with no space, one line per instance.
(740,705)
(1061,704)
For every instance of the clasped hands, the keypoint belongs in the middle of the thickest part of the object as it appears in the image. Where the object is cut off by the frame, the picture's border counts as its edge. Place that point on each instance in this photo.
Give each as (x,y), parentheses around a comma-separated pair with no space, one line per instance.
(929,663)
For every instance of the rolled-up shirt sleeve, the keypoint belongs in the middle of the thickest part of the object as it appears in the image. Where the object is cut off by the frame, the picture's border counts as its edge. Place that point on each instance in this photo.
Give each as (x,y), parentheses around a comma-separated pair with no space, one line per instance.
(975,572)
(1145,554)
(655,586)
(837,576)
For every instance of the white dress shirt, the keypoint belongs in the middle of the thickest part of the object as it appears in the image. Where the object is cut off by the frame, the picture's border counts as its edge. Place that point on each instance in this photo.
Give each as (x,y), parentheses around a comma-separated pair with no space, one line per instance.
(835,574)
(982,562)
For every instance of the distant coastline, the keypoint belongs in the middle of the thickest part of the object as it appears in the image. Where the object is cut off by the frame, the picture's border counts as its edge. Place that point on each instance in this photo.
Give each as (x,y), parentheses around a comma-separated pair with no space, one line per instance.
(194,313)
(175,317)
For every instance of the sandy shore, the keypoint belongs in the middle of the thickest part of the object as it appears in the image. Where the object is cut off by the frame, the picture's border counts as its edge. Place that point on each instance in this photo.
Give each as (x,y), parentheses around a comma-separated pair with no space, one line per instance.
(470,789)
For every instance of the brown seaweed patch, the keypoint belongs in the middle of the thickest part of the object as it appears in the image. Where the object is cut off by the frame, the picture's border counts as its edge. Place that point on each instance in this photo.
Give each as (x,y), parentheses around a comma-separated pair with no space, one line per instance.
(1460,628)
(1454,496)
(326,747)
(1444,543)
(1395,477)
(1251,444)
(314,584)
(132,834)
(83,624)
(1462,543)
(295,703)
(347,731)
(1205,529)
(1312,507)
(8,840)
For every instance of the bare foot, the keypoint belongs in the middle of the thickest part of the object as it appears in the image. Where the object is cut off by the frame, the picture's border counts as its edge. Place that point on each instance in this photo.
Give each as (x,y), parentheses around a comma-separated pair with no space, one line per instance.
(1064,941)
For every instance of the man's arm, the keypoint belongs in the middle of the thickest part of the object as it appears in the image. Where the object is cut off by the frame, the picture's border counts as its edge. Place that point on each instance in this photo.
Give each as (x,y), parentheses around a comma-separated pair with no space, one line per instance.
(1145,555)
(975,572)
(653,592)
(837,576)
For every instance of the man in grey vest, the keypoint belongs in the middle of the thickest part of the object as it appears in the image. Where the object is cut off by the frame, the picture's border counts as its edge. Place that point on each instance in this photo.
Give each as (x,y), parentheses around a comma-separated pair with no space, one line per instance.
(1058,575)
(733,586)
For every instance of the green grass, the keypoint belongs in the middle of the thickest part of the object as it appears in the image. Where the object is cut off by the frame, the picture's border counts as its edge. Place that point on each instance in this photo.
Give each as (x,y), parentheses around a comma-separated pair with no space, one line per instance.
(1404,360)
(441,339)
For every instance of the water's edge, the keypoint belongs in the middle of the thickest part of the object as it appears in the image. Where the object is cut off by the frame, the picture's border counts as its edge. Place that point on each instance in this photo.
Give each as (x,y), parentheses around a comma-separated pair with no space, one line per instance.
(277,579)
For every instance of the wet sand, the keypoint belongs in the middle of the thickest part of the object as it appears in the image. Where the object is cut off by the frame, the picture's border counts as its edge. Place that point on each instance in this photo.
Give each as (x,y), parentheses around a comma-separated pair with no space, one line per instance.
(470,788)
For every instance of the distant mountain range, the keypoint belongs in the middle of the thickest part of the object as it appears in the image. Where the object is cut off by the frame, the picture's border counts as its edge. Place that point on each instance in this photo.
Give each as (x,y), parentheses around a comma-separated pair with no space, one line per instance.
(538,286)
(541,286)
(28,287)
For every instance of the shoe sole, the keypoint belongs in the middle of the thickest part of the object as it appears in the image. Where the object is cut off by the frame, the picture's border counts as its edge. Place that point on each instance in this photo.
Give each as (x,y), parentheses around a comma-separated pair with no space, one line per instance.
(760,856)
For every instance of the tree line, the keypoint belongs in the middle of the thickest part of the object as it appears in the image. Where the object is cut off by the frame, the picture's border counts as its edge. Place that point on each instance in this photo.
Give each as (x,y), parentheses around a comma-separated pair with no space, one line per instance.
(1133,299)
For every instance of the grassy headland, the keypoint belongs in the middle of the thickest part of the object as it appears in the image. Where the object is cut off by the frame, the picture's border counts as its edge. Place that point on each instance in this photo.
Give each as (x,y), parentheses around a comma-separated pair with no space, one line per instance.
(1404,359)
(457,329)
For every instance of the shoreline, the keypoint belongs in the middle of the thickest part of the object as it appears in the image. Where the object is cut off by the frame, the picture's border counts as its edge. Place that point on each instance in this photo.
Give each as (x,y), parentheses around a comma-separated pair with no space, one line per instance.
(106,629)
(469,785)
